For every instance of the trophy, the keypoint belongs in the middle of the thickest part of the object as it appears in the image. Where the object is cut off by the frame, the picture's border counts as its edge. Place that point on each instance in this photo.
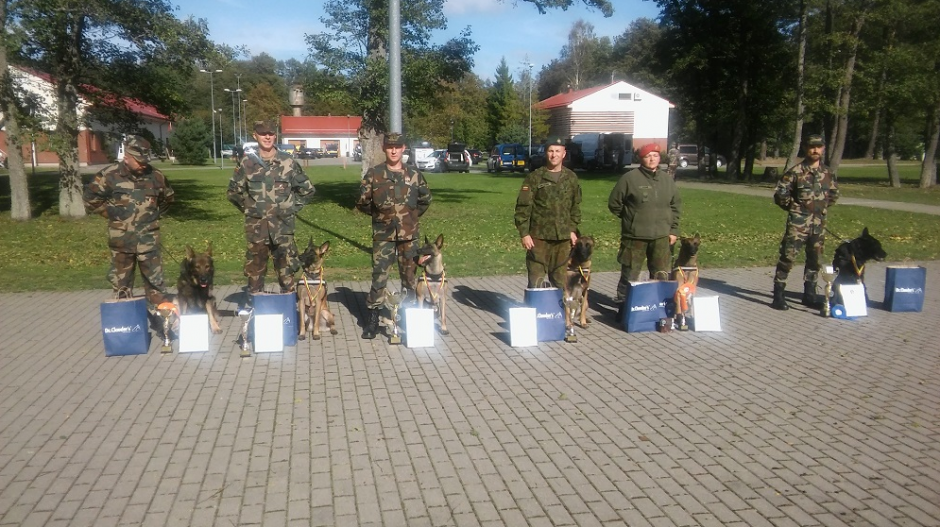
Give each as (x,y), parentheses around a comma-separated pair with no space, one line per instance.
(571,309)
(683,297)
(393,300)
(828,274)
(166,311)
(244,314)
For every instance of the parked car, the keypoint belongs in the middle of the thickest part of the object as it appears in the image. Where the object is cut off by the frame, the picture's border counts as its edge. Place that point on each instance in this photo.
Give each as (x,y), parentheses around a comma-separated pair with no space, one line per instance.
(227,150)
(506,156)
(421,150)
(456,158)
(537,159)
(357,153)
(688,156)
(331,150)
(476,156)
(308,153)
(251,147)
(287,147)
(433,162)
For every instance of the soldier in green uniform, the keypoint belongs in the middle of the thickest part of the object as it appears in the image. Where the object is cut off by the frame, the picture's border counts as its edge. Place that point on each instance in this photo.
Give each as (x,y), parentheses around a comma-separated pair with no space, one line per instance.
(806,191)
(548,212)
(395,196)
(649,206)
(269,188)
(132,195)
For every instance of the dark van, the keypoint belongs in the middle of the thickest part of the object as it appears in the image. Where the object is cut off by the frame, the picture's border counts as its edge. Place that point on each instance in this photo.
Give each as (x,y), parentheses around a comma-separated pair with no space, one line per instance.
(506,156)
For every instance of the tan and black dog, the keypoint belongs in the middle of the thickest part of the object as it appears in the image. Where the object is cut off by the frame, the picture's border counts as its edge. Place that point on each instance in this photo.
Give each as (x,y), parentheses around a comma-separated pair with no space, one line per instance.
(688,254)
(432,285)
(311,293)
(194,287)
(578,280)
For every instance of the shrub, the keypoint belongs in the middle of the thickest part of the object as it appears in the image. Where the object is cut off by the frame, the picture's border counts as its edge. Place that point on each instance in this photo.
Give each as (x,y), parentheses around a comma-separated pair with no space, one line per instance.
(189,141)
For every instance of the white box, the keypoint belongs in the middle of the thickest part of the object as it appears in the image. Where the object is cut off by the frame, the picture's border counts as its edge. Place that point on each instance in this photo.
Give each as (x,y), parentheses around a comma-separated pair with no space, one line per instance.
(523,327)
(194,333)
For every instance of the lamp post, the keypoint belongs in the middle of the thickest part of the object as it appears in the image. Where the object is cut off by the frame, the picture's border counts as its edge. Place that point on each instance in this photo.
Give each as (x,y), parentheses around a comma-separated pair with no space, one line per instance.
(238,86)
(233,92)
(244,113)
(529,64)
(212,107)
(218,111)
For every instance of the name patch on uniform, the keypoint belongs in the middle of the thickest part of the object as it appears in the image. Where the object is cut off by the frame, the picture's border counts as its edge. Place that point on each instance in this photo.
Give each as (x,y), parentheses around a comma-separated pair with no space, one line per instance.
(525,188)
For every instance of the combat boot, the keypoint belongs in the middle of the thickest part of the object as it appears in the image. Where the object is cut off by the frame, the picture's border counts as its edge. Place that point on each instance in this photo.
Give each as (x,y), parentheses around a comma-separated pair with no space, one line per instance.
(780,300)
(372,325)
(810,298)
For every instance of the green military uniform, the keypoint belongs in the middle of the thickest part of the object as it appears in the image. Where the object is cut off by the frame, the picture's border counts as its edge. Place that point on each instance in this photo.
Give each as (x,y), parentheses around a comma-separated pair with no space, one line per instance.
(548,208)
(395,200)
(132,201)
(806,194)
(270,194)
(649,207)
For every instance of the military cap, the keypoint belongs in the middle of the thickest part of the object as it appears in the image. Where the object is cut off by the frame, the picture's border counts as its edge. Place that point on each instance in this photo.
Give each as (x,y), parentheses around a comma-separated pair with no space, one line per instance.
(555,140)
(394,139)
(265,127)
(137,147)
(815,140)
(646,149)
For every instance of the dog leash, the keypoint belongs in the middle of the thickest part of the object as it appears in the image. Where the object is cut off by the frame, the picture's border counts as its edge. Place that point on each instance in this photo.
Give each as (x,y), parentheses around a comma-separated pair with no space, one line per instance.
(827,229)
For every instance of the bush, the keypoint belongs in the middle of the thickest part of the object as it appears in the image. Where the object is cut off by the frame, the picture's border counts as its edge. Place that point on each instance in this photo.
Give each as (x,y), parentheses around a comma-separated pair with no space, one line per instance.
(189,141)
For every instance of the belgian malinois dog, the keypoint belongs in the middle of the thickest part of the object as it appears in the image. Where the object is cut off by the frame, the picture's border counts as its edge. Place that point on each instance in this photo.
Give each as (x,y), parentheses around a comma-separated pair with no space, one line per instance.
(194,287)
(432,285)
(578,280)
(311,293)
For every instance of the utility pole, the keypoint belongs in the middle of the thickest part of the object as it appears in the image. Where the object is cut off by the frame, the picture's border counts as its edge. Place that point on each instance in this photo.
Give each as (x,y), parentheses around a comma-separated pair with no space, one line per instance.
(212,109)
(233,92)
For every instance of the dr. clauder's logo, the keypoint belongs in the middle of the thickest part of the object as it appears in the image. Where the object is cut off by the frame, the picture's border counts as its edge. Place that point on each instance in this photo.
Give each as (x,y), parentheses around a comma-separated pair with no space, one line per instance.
(123,329)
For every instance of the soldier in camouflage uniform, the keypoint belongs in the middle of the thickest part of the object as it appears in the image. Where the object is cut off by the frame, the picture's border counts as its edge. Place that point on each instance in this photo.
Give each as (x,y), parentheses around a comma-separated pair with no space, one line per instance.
(132,195)
(395,196)
(548,212)
(649,206)
(269,188)
(673,165)
(806,191)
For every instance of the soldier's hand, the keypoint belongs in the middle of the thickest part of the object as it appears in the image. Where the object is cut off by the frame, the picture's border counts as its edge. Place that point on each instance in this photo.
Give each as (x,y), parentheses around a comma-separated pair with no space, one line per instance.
(672,239)
(527,242)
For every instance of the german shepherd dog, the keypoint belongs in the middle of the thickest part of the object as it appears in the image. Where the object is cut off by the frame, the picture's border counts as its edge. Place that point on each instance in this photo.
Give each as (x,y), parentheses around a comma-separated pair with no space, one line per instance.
(194,287)
(578,280)
(432,285)
(850,259)
(311,293)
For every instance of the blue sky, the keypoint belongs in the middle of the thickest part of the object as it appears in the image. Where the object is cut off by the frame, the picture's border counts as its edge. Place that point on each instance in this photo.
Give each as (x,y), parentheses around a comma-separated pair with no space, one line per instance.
(502,28)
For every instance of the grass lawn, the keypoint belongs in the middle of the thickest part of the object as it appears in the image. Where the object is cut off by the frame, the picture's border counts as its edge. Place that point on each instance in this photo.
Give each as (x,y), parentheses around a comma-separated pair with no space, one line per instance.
(474,211)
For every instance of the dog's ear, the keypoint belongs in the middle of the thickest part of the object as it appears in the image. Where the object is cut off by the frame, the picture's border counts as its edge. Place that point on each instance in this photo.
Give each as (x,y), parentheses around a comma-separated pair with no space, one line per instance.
(325,247)
(439,241)
(697,238)
(865,232)
(209,249)
(190,253)
(426,241)
(310,243)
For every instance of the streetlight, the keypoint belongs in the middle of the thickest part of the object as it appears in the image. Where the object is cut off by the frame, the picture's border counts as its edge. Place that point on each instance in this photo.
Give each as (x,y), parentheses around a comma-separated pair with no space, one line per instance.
(245,117)
(238,85)
(233,92)
(529,64)
(212,107)
(218,111)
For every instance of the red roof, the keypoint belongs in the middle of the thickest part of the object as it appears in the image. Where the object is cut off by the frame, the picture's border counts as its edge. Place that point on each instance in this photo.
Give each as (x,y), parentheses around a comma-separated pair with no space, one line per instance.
(322,125)
(134,105)
(564,99)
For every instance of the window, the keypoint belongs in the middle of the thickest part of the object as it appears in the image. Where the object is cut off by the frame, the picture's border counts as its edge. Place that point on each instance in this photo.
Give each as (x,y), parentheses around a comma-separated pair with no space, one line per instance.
(625,96)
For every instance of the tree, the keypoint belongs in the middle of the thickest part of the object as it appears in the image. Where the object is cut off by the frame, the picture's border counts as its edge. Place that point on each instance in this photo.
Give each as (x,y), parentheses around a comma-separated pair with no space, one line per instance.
(503,108)
(94,49)
(189,141)
(20,208)
(354,52)
(635,56)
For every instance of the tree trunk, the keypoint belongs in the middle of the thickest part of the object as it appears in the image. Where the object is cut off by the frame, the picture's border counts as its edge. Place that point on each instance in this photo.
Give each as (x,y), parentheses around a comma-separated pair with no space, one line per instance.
(879,99)
(737,137)
(842,120)
(800,75)
(20,208)
(65,137)
(928,169)
(894,176)
(372,152)
(763,150)
(749,164)
(873,137)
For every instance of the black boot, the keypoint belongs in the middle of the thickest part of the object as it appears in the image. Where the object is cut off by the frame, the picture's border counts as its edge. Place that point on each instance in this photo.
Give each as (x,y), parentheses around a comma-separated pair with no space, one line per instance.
(372,325)
(780,301)
(810,298)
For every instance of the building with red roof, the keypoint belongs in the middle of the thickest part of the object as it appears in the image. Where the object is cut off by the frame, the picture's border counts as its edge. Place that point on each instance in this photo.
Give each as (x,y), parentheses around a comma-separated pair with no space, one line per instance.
(98,143)
(337,134)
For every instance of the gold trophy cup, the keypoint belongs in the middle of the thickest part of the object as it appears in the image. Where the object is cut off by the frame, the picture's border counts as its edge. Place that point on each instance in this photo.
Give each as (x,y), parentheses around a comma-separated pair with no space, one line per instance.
(166,311)
(393,300)
(244,314)
(828,274)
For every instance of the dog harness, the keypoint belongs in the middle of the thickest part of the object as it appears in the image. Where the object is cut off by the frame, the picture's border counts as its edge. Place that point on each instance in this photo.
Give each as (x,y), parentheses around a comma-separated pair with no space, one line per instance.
(319,282)
(434,279)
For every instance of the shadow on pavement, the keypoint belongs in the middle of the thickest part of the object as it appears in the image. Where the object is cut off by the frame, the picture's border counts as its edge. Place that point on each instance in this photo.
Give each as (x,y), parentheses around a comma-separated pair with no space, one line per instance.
(490,301)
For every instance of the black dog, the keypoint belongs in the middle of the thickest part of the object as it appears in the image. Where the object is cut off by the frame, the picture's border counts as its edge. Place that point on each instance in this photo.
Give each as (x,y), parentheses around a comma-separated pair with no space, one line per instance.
(850,259)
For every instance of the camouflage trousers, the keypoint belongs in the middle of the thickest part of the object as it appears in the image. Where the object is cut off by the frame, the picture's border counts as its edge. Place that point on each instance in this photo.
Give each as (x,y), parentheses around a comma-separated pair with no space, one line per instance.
(633,252)
(121,274)
(285,259)
(798,238)
(384,254)
(549,258)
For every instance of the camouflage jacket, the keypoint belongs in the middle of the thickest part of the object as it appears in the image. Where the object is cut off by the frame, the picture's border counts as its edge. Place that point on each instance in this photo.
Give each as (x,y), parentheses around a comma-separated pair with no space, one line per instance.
(395,200)
(269,194)
(805,191)
(132,203)
(647,203)
(549,205)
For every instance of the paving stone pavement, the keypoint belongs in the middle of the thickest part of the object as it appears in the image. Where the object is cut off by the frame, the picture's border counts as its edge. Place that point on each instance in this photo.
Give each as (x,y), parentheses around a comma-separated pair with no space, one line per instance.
(781,419)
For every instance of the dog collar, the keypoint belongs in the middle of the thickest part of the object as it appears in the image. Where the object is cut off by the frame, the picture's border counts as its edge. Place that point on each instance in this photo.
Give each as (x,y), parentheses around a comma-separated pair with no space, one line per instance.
(428,277)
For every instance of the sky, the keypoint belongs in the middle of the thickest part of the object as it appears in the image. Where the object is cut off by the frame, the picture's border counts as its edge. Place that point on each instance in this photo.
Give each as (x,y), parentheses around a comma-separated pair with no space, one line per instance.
(502,28)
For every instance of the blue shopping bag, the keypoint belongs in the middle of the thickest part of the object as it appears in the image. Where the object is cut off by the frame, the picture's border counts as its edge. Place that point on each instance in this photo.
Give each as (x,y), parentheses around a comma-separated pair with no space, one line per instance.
(647,303)
(904,288)
(124,327)
(284,304)
(549,312)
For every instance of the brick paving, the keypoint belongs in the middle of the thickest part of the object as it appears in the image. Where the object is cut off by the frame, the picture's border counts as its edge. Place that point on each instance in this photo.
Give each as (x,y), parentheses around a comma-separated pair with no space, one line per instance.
(781,419)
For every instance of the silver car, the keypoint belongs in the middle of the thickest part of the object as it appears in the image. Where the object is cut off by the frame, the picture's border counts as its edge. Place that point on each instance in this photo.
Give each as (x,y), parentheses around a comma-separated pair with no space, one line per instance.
(431,163)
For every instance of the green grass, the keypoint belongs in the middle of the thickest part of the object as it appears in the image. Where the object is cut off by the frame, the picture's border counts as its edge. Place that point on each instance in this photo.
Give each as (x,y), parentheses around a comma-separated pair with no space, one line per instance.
(474,211)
